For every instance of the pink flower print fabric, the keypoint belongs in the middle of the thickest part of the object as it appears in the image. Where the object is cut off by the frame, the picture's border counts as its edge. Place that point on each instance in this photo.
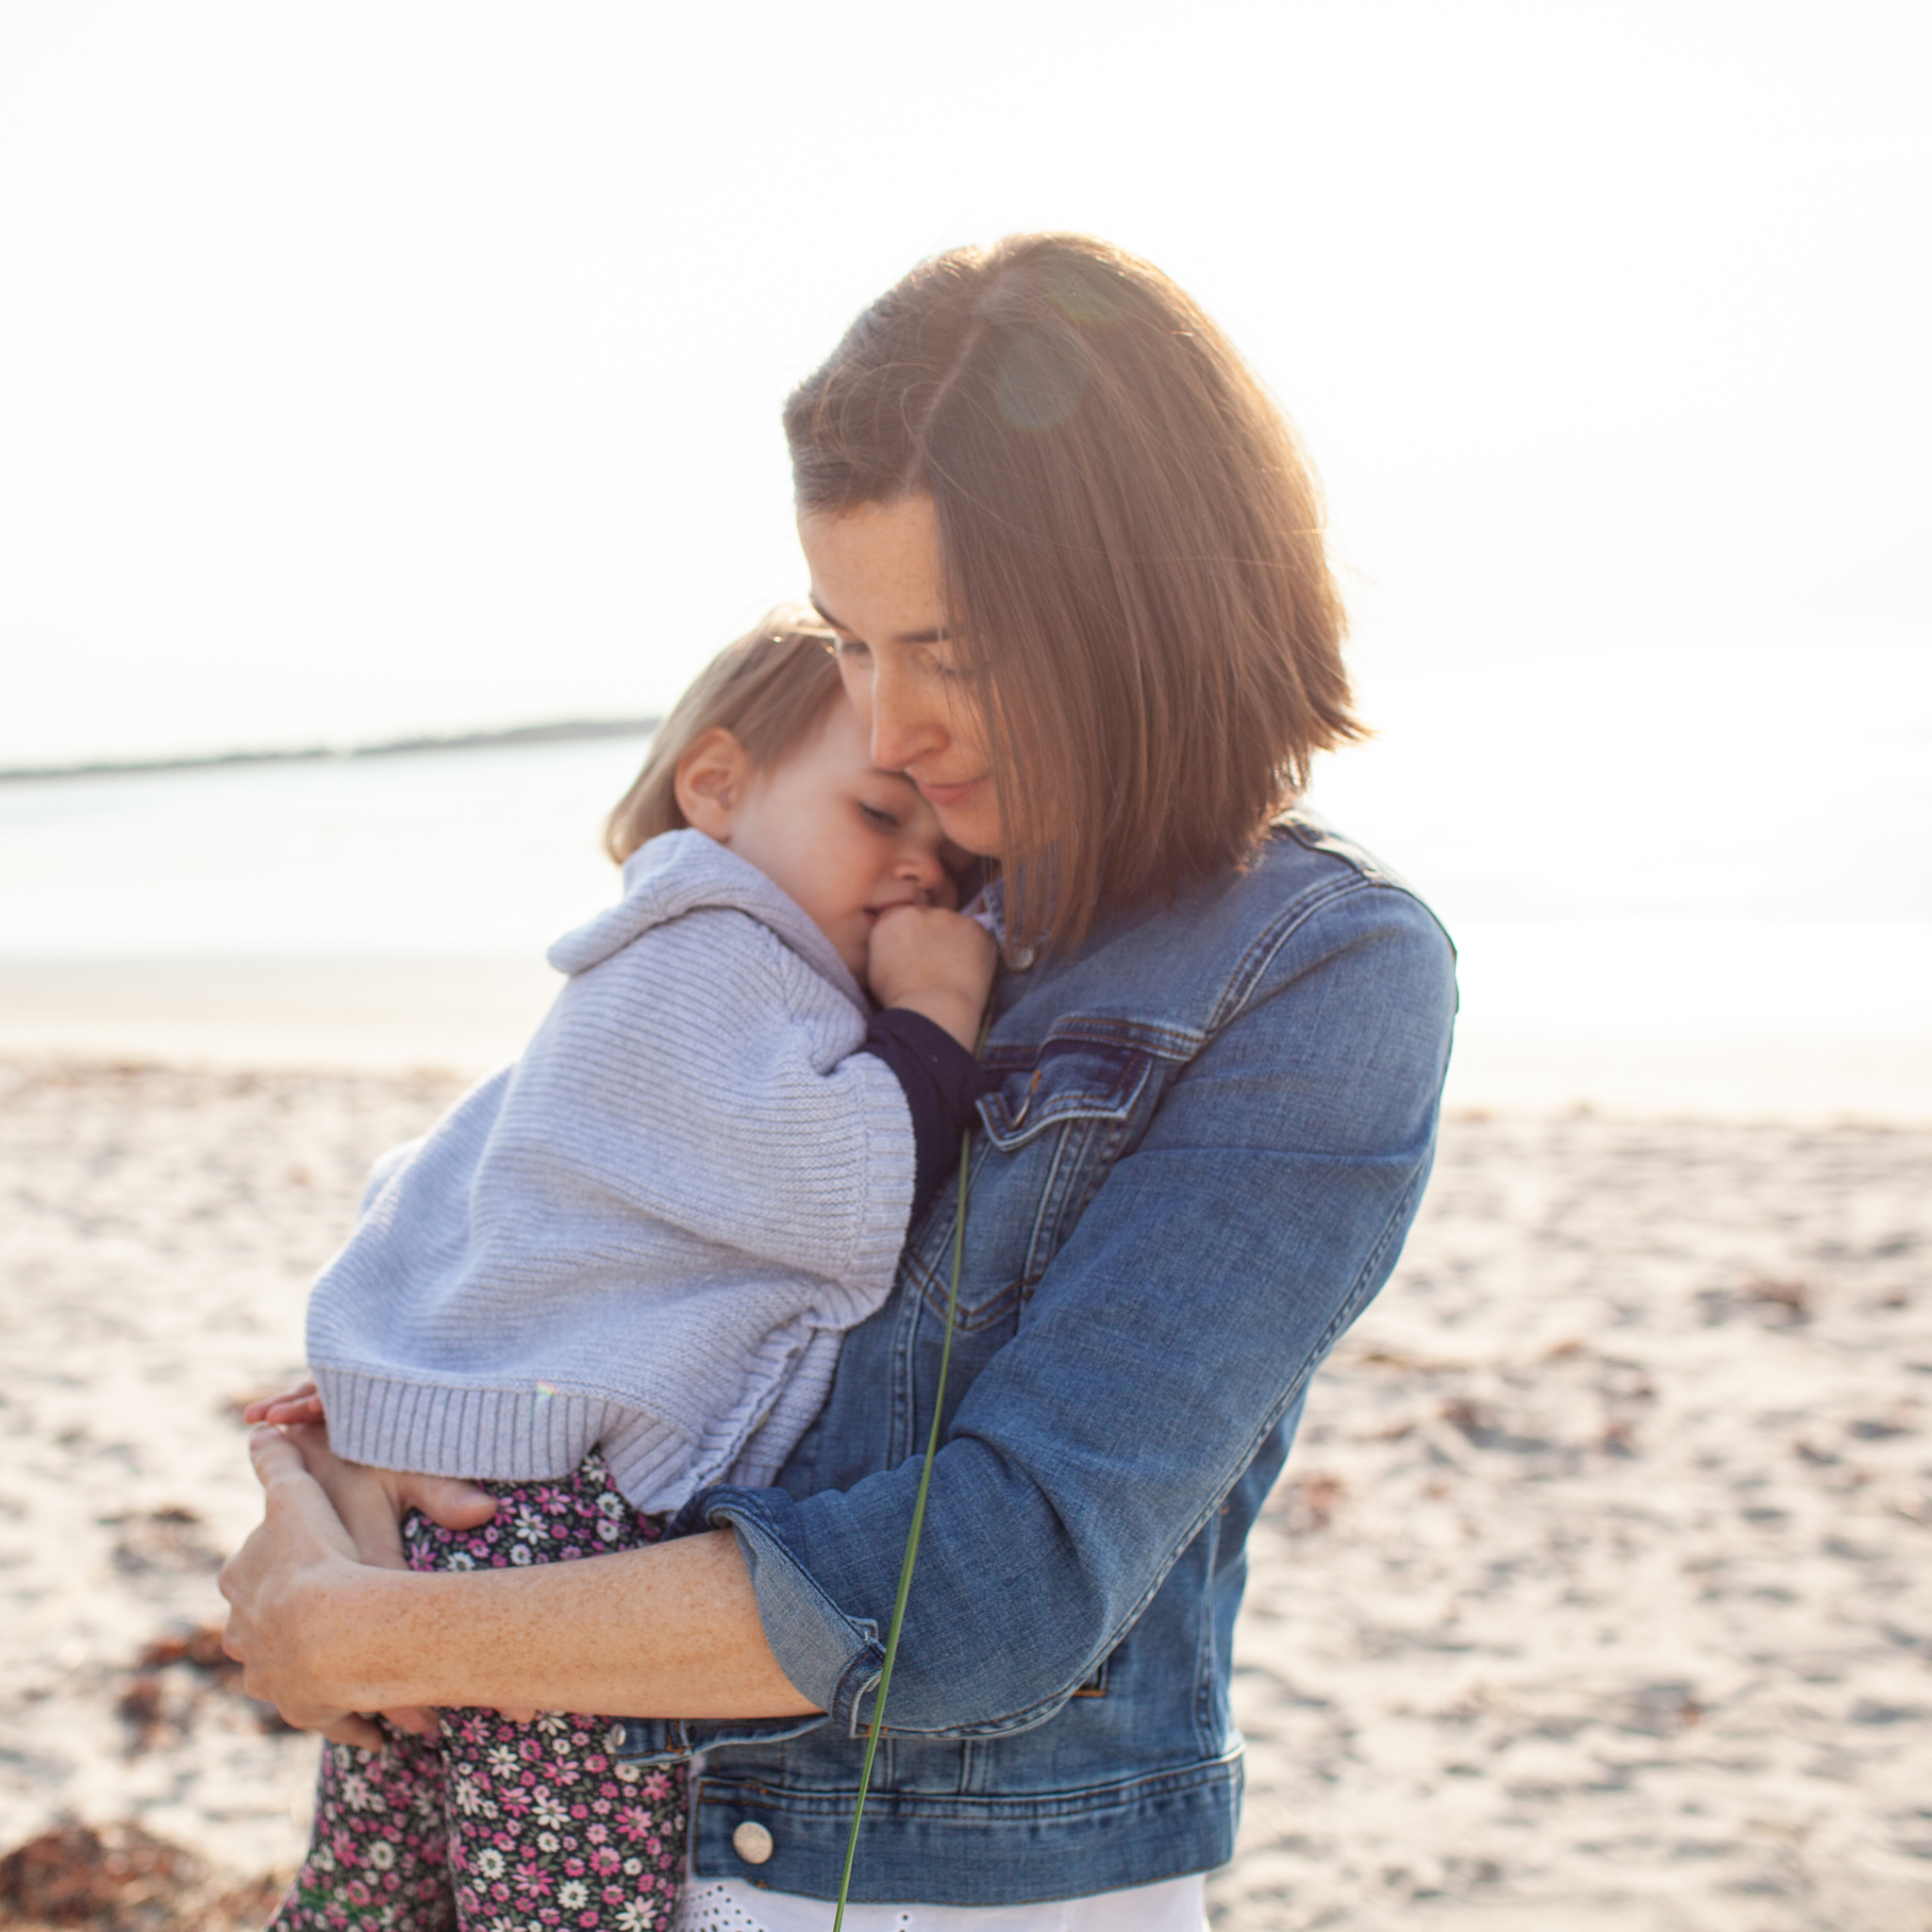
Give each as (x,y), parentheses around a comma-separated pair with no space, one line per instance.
(498,1827)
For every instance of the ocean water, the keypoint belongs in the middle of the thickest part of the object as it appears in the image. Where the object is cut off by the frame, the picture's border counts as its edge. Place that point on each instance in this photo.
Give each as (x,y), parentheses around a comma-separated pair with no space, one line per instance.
(489,852)
(1678,876)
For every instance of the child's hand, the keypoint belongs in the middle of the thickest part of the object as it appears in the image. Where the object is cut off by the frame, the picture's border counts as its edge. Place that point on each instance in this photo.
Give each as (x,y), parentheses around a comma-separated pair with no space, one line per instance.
(303,1405)
(934,962)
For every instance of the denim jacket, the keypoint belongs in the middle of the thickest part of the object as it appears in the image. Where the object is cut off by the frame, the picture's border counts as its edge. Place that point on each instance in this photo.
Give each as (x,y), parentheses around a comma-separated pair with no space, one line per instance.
(1211,1130)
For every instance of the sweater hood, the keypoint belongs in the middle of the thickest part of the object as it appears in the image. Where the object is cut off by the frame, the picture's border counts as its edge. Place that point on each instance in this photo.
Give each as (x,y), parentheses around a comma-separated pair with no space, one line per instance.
(686,871)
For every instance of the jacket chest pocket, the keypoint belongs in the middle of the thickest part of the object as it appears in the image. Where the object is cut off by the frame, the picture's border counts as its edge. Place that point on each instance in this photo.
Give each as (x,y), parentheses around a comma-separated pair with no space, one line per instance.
(1046,1141)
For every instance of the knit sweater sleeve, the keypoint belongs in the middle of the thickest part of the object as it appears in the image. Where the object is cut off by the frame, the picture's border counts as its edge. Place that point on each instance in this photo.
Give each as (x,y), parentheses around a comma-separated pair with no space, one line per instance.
(707,1076)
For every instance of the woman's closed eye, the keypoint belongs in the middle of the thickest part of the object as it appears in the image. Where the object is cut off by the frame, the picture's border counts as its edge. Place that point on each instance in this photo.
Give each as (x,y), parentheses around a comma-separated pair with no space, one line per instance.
(948,670)
(856,650)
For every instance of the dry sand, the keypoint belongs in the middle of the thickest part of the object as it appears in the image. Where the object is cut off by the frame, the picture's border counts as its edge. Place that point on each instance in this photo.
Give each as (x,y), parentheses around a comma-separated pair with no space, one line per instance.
(1599,1595)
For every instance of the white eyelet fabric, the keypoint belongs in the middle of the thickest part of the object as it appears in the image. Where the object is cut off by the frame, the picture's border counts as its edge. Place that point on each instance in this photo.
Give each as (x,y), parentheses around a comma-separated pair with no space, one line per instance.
(713,1905)
(711,1909)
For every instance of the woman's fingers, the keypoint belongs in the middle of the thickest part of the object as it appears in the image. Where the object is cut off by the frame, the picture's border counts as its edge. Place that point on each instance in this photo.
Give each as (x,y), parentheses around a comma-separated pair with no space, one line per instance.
(312,1442)
(444,1499)
(322,1511)
(277,1585)
(368,1509)
(367,1500)
(372,1501)
(279,1459)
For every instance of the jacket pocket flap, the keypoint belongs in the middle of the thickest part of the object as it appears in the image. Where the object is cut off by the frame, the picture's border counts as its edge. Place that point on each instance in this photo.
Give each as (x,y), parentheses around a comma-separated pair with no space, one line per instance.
(1072,1079)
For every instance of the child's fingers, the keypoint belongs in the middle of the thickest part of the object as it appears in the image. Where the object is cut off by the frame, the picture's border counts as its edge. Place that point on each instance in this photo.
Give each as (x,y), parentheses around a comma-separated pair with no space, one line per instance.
(357,1731)
(288,1412)
(257,1411)
(415,1717)
(446,1501)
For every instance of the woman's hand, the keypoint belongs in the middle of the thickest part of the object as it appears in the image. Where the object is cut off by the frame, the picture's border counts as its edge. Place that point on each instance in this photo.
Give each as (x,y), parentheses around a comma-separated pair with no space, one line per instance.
(322,1510)
(671,1630)
(373,1502)
(279,1584)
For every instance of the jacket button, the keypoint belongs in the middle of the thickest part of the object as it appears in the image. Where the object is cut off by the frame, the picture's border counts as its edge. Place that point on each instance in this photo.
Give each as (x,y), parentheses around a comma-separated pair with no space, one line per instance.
(752,1843)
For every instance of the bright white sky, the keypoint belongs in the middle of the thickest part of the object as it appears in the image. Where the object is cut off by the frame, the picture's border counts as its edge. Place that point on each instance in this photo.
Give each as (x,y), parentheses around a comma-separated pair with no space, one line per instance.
(369,368)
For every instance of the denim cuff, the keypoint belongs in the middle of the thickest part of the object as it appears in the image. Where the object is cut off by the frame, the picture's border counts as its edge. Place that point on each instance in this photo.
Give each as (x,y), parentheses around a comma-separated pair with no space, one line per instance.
(830,1657)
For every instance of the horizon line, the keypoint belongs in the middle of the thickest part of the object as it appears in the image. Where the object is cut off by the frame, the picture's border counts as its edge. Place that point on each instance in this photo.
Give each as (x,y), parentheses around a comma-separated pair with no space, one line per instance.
(564,731)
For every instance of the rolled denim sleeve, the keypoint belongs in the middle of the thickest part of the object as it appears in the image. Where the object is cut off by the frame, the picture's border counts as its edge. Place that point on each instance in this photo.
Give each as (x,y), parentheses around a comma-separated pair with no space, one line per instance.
(1177,1325)
(827,1656)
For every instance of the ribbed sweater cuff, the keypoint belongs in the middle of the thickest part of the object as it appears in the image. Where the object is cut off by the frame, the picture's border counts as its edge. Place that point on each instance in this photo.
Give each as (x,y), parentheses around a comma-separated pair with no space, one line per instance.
(513,1435)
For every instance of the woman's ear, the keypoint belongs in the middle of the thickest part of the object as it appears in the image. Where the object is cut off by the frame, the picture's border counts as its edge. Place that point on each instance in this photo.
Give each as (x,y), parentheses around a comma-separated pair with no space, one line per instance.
(710,782)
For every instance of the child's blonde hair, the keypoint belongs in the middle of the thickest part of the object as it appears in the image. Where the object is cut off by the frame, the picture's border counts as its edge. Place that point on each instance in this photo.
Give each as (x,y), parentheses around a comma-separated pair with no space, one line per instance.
(770,690)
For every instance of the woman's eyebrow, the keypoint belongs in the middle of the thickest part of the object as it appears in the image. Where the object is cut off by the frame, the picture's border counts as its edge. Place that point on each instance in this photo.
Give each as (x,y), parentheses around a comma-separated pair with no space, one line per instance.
(932,636)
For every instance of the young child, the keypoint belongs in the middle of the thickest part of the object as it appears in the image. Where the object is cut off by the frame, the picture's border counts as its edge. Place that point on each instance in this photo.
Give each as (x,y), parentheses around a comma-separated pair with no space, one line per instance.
(619,1269)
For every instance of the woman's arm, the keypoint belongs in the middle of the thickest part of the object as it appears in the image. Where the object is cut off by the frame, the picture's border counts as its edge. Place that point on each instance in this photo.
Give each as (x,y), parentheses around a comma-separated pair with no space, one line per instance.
(666,1632)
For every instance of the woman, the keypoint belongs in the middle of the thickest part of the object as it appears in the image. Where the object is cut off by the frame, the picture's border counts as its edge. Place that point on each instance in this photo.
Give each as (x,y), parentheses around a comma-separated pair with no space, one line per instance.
(1074,564)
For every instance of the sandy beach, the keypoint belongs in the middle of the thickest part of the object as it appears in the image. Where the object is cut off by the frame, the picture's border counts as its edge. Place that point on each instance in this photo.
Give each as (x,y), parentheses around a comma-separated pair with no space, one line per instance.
(1599,1594)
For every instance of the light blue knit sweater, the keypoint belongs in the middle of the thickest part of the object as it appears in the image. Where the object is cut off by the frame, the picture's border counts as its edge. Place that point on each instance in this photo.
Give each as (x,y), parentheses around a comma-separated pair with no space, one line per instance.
(645,1235)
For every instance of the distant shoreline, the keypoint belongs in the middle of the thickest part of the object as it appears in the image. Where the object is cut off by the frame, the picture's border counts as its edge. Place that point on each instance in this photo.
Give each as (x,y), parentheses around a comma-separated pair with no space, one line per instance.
(563,733)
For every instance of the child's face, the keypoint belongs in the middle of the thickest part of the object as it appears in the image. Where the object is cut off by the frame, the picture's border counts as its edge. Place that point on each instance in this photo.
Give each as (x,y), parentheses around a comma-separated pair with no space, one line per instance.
(842,838)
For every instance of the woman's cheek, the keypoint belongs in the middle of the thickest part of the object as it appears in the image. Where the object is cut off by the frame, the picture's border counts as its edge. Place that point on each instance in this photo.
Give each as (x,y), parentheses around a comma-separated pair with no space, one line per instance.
(973,824)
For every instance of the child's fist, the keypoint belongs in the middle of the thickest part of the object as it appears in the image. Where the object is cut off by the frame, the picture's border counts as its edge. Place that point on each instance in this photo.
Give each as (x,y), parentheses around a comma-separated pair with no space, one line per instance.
(934,962)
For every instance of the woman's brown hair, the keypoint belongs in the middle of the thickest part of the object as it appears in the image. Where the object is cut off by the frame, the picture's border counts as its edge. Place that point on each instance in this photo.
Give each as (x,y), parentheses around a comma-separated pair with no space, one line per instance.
(1134,568)
(771,690)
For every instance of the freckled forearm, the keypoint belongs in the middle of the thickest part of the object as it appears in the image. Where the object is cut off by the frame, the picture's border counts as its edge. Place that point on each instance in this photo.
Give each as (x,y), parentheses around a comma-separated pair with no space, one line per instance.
(666,1632)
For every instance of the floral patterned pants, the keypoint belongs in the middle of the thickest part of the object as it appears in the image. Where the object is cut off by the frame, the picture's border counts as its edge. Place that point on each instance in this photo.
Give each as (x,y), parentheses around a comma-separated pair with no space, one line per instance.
(498,1827)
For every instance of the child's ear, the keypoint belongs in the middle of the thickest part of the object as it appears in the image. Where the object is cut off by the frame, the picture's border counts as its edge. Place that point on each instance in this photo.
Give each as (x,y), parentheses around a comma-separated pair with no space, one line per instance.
(710,782)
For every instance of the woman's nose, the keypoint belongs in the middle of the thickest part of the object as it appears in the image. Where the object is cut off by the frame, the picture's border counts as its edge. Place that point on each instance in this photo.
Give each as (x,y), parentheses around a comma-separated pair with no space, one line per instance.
(904,729)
